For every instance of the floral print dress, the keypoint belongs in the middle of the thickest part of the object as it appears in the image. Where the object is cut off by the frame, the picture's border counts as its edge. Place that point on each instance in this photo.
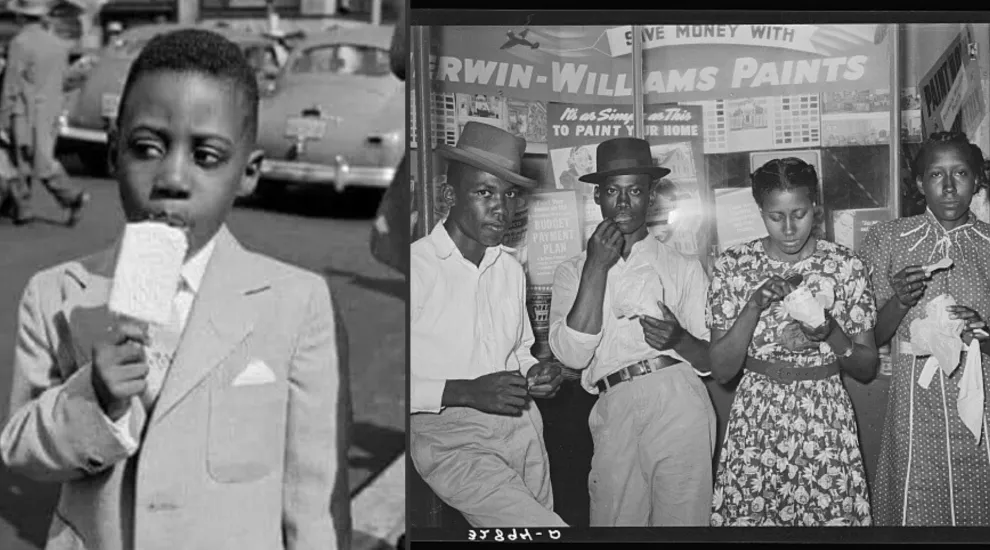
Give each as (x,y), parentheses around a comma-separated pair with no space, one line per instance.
(932,471)
(791,451)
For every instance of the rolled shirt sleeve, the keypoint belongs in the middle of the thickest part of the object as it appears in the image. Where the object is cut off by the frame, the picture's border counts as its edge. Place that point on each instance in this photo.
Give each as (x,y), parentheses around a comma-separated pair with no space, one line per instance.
(574,349)
(691,305)
(425,394)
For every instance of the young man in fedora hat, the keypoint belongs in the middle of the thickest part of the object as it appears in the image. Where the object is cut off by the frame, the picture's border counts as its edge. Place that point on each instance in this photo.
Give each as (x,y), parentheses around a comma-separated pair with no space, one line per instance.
(476,438)
(630,312)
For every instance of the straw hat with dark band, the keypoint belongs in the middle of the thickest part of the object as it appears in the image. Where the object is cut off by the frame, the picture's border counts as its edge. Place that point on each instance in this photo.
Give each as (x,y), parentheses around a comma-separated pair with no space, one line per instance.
(491,150)
(624,156)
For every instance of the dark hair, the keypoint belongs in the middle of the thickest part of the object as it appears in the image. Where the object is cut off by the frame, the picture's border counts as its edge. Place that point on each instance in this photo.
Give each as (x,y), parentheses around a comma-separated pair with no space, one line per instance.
(972,152)
(200,52)
(784,175)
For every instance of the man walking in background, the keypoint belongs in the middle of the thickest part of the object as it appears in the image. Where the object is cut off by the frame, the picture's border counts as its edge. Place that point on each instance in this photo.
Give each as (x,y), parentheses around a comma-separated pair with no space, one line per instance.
(30,104)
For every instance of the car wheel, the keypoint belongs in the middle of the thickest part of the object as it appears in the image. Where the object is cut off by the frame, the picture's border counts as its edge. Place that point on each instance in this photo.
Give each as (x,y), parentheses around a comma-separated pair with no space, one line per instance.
(95,163)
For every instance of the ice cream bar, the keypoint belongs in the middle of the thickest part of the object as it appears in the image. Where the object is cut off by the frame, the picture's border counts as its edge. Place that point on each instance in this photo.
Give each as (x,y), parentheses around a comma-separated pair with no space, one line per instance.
(147,273)
(944,263)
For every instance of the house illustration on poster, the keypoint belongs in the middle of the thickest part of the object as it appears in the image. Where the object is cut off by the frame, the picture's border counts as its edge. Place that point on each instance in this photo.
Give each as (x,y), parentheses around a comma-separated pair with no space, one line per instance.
(677,158)
(749,116)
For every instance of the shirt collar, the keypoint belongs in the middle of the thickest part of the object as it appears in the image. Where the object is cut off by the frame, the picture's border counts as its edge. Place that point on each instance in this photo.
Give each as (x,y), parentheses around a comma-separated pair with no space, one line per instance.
(647,244)
(195,267)
(932,220)
(445,246)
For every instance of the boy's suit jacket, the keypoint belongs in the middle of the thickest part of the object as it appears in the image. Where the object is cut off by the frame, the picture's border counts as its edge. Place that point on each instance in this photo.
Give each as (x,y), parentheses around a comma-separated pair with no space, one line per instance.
(220,465)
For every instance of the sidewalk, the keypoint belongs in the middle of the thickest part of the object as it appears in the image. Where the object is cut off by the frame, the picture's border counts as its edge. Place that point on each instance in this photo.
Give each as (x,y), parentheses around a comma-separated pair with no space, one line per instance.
(378,511)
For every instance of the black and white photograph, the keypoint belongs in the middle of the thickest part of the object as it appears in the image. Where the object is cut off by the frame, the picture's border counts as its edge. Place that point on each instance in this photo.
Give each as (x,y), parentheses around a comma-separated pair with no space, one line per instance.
(204,231)
(817,360)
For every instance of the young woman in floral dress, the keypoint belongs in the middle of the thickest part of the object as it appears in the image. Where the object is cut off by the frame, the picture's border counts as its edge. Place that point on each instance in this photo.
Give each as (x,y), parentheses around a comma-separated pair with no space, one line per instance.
(791,451)
(932,470)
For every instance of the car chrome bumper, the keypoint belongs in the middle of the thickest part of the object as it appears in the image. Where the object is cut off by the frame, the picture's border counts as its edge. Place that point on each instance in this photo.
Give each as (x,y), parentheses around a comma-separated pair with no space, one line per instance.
(82,134)
(340,177)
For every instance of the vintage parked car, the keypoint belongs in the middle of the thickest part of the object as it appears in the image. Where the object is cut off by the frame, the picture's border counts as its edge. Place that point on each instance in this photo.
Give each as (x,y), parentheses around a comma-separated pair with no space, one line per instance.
(89,111)
(335,113)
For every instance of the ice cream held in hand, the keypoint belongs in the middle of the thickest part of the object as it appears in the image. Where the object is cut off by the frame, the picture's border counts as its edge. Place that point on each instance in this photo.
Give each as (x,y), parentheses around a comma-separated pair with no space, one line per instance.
(147,273)
(804,307)
(944,263)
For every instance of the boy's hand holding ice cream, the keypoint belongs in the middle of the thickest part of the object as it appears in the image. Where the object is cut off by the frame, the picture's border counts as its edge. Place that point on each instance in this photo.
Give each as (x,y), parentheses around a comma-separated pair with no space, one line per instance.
(145,282)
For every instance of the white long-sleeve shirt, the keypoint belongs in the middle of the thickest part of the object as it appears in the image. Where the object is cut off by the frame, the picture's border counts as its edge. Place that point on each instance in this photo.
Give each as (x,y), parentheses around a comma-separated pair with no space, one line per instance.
(466,321)
(653,272)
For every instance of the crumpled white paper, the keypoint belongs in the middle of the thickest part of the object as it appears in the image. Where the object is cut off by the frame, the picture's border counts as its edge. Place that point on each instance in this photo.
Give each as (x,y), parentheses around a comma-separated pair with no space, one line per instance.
(638,295)
(807,307)
(937,334)
(970,401)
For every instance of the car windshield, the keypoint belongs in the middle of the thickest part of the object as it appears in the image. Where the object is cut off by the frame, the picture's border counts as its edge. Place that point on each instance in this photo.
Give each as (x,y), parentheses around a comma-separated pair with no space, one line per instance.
(343,59)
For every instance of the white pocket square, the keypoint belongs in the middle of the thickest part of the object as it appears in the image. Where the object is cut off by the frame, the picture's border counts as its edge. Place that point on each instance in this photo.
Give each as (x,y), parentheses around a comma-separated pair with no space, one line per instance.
(257,372)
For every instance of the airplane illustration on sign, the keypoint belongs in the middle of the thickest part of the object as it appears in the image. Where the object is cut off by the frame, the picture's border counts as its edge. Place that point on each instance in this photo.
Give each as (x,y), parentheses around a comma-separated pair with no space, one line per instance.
(518,40)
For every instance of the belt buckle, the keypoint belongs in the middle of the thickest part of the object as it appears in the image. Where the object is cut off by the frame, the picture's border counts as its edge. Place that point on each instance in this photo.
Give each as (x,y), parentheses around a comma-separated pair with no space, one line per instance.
(651,365)
(625,375)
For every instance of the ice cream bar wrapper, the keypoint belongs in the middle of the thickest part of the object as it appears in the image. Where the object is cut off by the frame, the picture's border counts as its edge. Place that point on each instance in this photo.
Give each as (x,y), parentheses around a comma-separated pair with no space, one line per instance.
(147,274)
(804,307)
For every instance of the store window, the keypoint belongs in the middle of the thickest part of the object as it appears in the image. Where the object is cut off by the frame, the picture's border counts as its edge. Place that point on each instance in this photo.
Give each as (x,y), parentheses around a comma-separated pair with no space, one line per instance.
(717,101)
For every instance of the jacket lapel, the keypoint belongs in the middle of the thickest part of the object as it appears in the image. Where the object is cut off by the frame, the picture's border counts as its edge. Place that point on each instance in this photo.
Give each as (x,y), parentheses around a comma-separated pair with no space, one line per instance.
(84,318)
(222,316)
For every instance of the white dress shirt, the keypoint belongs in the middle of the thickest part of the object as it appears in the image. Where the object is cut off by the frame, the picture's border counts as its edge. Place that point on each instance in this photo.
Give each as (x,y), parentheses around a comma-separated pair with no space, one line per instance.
(653,272)
(466,321)
(191,276)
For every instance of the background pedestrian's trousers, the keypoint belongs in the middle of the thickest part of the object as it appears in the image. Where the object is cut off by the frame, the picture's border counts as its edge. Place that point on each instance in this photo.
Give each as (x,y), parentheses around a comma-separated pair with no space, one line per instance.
(33,154)
(654,441)
(491,468)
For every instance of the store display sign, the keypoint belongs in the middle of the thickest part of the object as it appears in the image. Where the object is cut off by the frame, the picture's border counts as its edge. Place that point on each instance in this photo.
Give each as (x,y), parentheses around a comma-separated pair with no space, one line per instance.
(738,220)
(952,87)
(850,226)
(592,64)
(553,234)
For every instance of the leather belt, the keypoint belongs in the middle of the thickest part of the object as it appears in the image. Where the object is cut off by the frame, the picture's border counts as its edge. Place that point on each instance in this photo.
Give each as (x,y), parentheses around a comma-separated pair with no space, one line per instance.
(786,374)
(635,370)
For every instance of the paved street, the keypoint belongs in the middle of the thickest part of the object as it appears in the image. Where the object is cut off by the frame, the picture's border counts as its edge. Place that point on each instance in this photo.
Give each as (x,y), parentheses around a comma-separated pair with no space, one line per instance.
(302,230)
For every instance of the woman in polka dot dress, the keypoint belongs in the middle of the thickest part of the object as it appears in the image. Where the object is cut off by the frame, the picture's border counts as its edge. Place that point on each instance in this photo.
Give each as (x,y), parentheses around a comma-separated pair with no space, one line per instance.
(791,451)
(932,471)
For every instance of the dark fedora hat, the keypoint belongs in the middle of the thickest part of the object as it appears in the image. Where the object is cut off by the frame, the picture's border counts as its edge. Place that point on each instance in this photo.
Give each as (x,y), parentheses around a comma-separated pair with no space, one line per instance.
(623,156)
(489,149)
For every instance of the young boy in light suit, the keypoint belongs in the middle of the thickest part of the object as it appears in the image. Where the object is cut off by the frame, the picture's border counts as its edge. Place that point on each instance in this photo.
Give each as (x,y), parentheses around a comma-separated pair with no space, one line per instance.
(237,443)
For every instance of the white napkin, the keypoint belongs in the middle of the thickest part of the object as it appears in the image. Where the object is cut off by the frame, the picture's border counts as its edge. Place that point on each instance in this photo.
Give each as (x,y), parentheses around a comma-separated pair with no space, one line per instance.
(970,402)
(638,294)
(937,334)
